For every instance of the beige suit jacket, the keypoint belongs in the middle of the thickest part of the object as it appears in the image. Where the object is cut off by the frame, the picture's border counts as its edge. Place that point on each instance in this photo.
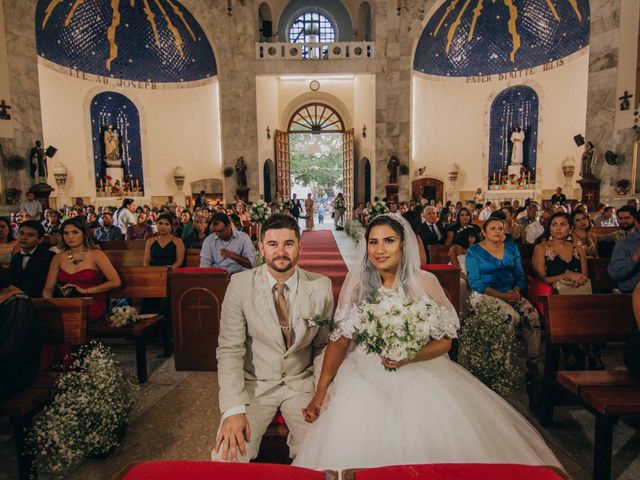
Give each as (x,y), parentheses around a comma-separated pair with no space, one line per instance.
(251,352)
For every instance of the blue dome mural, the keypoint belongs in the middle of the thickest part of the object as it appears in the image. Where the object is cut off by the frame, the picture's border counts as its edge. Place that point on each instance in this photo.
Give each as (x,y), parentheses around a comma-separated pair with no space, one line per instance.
(143,40)
(485,37)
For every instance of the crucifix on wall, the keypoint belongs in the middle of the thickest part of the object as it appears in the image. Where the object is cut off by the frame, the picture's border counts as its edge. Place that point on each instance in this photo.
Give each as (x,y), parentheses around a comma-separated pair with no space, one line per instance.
(625,104)
(4,114)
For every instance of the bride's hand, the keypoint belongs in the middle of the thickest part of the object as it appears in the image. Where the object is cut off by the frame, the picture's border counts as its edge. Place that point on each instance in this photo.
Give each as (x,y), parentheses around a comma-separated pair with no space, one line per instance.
(392,364)
(312,412)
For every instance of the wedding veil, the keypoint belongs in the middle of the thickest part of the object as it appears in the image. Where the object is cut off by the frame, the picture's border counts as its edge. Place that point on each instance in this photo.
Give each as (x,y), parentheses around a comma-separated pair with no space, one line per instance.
(363,277)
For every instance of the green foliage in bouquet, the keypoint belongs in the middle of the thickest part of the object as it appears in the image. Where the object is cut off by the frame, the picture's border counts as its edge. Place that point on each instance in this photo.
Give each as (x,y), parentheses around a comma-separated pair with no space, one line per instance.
(260,211)
(488,345)
(93,402)
(378,208)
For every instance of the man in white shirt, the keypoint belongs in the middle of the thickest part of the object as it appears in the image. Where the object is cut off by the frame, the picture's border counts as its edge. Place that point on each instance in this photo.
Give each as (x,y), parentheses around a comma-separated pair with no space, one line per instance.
(607,219)
(126,216)
(535,229)
(487,211)
(32,207)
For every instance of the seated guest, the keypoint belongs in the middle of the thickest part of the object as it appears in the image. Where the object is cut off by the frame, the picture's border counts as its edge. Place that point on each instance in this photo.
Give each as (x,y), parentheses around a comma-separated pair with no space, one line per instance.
(624,266)
(445,219)
(494,269)
(6,236)
(92,220)
(108,231)
(165,249)
(607,219)
(582,235)
(415,221)
(227,248)
(463,221)
(531,215)
(457,257)
(486,212)
(430,231)
(32,207)
(53,222)
(81,269)
(242,213)
(125,216)
(30,266)
(513,229)
(198,234)
(632,346)
(558,197)
(535,229)
(626,222)
(557,261)
(20,338)
(236,222)
(185,226)
(141,230)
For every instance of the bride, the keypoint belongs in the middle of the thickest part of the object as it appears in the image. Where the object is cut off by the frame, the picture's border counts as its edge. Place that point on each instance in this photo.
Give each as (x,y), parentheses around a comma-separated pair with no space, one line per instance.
(429,410)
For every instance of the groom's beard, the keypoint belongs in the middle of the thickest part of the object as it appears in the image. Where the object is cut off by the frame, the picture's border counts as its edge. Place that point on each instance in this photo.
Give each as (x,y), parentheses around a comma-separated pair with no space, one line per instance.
(288,266)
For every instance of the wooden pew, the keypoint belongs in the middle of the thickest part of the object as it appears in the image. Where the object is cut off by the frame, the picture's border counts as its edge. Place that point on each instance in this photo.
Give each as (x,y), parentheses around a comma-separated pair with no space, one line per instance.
(439,254)
(579,319)
(125,258)
(138,283)
(123,245)
(196,302)
(64,322)
(192,258)
(449,278)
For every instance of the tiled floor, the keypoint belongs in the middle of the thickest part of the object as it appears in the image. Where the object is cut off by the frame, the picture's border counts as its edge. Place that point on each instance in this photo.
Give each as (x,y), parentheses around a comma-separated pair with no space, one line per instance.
(179,417)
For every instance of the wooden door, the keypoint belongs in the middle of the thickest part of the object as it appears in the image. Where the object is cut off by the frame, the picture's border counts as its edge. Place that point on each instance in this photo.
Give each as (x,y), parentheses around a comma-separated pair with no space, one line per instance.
(283,165)
(347,171)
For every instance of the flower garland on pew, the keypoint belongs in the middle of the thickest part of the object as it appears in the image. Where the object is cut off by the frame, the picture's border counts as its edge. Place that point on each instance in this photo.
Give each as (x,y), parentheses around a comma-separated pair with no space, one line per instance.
(354,229)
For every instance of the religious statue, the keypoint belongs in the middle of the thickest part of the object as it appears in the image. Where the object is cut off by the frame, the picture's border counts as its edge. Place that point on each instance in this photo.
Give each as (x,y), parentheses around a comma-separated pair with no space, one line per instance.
(241,170)
(112,147)
(392,166)
(589,160)
(517,138)
(38,161)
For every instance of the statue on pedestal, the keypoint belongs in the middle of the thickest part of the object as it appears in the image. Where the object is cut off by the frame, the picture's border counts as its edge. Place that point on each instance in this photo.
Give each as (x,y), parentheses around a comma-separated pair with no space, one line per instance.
(38,161)
(517,138)
(112,147)
(392,166)
(589,161)
(241,170)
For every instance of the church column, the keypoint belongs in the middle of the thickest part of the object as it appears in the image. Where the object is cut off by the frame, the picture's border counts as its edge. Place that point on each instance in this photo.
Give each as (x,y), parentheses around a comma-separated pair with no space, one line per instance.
(22,63)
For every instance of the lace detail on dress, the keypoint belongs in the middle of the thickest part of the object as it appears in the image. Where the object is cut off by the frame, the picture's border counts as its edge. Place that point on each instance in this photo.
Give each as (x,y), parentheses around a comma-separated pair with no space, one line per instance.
(343,323)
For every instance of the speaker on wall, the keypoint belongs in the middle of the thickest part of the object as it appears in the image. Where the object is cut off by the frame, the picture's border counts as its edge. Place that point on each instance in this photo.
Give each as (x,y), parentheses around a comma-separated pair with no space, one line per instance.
(610,157)
(579,139)
(50,151)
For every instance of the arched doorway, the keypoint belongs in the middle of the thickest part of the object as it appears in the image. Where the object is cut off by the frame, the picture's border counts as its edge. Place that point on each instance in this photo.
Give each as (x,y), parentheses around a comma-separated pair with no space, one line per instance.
(317,152)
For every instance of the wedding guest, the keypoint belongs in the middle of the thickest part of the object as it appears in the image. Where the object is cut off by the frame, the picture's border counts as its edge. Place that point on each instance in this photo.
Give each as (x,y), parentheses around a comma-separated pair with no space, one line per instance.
(430,231)
(227,248)
(124,217)
(242,213)
(486,212)
(201,200)
(457,257)
(607,219)
(531,216)
(309,209)
(92,220)
(478,197)
(582,235)
(141,230)
(494,268)
(632,346)
(20,338)
(321,214)
(32,207)
(30,265)
(558,197)
(6,232)
(415,222)
(165,249)
(463,221)
(296,211)
(535,229)
(81,268)
(53,222)
(445,219)
(624,266)
(107,231)
(198,234)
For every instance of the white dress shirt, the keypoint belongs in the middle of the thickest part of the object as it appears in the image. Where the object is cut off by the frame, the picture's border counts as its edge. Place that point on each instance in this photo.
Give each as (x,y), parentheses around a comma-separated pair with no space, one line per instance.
(533,231)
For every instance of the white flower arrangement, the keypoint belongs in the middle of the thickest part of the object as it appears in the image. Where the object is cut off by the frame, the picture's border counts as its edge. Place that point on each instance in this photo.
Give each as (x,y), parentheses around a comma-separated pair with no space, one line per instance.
(489,346)
(260,211)
(378,208)
(338,202)
(287,204)
(354,229)
(123,316)
(92,405)
(396,326)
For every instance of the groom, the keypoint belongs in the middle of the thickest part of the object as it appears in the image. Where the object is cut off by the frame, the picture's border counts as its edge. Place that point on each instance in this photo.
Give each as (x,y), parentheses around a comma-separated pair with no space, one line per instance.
(268,344)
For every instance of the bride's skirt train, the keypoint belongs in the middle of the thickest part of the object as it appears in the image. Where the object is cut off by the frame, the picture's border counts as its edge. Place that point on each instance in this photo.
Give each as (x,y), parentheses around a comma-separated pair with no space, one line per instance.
(427,412)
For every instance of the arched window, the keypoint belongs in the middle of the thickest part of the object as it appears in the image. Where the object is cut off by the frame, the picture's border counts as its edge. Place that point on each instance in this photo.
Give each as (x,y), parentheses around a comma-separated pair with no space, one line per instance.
(312,27)
(514,106)
(316,118)
(111,108)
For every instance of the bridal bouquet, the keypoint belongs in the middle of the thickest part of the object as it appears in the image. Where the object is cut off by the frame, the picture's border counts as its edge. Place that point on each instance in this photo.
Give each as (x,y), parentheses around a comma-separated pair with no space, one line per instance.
(396,326)
(260,211)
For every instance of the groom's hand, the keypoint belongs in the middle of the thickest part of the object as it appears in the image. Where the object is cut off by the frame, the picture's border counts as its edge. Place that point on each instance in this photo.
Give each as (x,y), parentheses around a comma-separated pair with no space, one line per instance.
(312,412)
(234,432)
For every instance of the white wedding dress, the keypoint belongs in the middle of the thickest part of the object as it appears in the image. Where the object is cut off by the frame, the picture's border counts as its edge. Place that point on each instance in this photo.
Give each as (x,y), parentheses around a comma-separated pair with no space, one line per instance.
(432,411)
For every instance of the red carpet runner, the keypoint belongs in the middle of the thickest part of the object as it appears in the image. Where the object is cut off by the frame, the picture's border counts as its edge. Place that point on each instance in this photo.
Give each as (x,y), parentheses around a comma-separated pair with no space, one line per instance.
(320,254)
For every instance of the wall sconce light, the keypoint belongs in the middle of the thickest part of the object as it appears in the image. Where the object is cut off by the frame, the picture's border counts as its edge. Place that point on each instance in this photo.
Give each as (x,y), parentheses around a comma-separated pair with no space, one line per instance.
(229,8)
(268,133)
(364,131)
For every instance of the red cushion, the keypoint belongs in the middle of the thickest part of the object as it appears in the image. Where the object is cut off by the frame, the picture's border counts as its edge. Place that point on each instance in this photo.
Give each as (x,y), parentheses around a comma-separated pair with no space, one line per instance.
(536,289)
(438,266)
(458,471)
(174,470)
(199,270)
(279,419)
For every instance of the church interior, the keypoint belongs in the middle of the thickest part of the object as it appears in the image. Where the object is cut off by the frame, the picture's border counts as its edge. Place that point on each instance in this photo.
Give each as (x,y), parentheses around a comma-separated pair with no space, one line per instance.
(433,103)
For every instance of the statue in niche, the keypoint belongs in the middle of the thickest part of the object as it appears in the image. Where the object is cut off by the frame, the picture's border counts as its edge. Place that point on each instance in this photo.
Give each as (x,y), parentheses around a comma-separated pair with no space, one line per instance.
(517,138)
(112,147)
(241,170)
(589,161)
(38,161)
(392,166)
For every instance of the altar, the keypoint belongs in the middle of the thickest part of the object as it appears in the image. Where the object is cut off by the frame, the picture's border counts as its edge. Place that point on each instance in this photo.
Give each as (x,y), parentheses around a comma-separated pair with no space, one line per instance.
(117,201)
(510,195)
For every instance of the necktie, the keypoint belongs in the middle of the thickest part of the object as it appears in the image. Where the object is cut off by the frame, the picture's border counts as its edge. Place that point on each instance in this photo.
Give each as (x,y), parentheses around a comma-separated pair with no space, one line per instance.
(282,309)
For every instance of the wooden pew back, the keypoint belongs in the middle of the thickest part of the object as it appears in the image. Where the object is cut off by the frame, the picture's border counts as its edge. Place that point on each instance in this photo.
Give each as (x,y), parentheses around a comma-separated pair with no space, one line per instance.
(125,258)
(123,245)
(439,254)
(192,258)
(587,318)
(142,282)
(64,320)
